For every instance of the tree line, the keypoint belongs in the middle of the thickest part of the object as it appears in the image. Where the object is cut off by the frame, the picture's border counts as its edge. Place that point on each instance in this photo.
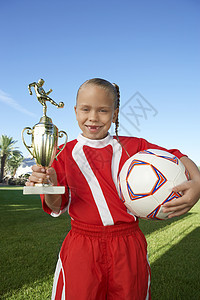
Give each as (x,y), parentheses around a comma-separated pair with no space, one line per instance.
(10,157)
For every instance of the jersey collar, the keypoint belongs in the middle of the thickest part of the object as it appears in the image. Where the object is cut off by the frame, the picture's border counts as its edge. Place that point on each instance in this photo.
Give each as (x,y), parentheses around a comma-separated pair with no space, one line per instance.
(95,143)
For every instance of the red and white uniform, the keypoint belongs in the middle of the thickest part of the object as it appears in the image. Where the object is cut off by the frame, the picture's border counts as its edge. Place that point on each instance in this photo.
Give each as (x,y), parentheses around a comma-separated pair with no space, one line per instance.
(89,170)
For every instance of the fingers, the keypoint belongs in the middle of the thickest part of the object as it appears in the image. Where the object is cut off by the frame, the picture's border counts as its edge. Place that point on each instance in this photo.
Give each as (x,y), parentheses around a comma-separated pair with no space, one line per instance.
(190,195)
(177,207)
(174,203)
(51,171)
(38,175)
(42,175)
(38,169)
(52,176)
(29,183)
(178,213)
(181,187)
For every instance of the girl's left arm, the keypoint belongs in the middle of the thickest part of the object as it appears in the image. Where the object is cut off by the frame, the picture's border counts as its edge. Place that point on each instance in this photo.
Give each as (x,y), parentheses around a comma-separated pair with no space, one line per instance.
(190,190)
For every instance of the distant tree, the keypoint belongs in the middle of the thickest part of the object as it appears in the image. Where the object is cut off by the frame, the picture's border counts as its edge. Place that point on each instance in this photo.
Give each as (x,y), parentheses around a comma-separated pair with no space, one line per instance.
(13,163)
(7,150)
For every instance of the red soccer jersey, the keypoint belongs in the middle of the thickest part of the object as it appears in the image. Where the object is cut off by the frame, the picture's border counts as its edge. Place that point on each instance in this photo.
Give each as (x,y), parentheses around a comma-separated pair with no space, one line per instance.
(89,170)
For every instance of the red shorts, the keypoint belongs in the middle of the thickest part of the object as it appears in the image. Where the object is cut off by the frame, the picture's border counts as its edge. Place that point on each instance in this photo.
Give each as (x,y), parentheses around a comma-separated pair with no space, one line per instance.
(103,263)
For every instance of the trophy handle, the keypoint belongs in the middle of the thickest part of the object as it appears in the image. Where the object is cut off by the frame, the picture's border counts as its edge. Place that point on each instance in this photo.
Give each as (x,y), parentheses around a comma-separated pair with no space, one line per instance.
(60,135)
(29,131)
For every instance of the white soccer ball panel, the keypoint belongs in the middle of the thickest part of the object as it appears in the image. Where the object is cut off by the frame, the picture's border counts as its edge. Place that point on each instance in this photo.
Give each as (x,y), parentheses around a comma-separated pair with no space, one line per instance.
(166,162)
(161,194)
(169,169)
(143,156)
(161,215)
(143,206)
(161,152)
(142,179)
(180,178)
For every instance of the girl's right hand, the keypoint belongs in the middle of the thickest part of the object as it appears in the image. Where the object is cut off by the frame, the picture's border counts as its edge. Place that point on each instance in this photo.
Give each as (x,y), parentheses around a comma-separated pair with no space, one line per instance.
(41,175)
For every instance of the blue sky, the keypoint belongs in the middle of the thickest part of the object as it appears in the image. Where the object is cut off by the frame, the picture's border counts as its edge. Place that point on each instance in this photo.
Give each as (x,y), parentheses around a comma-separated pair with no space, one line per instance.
(149,48)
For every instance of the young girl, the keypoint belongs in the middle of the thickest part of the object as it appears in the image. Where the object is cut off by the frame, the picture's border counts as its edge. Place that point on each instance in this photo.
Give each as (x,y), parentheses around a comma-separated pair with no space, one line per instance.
(104,256)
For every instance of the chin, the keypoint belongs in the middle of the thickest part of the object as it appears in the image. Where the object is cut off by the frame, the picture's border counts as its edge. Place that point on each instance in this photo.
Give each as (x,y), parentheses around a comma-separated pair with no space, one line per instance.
(95,137)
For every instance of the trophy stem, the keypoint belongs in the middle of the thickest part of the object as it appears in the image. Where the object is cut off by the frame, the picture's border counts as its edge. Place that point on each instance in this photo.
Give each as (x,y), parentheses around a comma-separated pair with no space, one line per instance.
(44,110)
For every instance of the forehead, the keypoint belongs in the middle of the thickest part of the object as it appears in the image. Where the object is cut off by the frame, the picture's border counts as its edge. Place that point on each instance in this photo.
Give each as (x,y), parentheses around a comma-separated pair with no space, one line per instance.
(94,94)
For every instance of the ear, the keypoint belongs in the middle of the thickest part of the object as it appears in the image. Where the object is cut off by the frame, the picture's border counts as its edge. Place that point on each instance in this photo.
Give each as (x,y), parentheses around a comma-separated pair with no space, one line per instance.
(75,109)
(115,115)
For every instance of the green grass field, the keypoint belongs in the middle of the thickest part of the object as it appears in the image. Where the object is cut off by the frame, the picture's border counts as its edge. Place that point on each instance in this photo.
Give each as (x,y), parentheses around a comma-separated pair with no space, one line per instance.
(30,242)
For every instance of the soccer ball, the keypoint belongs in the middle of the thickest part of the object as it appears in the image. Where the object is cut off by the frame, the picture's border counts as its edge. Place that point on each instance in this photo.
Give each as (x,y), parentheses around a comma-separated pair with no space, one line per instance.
(146,181)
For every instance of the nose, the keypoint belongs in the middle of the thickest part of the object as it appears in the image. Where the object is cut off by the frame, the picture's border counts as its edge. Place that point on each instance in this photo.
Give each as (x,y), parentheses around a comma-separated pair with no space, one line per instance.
(93,116)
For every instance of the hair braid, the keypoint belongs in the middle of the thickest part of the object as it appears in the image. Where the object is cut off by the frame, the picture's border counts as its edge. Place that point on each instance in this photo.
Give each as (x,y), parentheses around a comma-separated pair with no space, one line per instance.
(117,104)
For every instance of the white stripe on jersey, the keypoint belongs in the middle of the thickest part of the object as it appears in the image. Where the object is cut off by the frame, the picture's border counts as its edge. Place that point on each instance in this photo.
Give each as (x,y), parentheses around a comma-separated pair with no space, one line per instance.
(93,183)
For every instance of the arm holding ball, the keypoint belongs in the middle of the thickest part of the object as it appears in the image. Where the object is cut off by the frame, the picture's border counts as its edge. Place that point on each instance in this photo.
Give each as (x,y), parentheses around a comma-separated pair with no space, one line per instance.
(190,190)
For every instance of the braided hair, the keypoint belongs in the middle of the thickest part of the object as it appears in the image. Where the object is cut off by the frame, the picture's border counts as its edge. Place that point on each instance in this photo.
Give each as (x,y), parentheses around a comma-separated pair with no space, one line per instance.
(117,104)
(117,120)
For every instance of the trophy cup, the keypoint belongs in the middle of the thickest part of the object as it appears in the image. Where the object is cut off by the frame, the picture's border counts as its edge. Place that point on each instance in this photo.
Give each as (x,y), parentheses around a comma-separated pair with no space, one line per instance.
(44,144)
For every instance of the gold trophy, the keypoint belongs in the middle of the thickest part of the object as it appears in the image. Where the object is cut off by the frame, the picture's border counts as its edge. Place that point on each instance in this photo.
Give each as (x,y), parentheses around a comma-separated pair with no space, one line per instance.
(44,141)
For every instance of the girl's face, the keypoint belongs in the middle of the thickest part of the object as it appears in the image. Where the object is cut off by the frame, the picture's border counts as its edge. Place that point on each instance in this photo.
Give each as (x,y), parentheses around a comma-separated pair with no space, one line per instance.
(95,112)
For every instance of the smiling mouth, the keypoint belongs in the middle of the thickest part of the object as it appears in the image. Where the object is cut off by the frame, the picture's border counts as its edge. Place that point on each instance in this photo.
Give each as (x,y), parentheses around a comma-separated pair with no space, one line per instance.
(93,128)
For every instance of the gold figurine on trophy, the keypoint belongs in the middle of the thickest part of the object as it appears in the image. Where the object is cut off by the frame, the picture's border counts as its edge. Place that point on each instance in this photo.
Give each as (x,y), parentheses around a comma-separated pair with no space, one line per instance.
(42,96)
(44,144)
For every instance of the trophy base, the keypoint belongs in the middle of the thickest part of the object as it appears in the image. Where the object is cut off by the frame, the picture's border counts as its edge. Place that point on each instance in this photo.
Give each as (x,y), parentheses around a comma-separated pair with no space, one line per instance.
(43,190)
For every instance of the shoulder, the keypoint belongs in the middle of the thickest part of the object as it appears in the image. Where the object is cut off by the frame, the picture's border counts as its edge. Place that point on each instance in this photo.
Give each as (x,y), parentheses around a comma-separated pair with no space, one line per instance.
(70,145)
(129,139)
(67,148)
(132,144)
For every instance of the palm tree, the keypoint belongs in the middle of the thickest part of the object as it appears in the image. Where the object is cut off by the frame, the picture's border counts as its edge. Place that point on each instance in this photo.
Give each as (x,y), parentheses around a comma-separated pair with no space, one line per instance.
(14,162)
(7,150)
